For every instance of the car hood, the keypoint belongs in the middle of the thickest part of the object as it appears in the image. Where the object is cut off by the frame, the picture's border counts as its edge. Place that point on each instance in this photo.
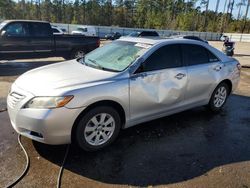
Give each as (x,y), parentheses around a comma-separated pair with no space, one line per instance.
(62,77)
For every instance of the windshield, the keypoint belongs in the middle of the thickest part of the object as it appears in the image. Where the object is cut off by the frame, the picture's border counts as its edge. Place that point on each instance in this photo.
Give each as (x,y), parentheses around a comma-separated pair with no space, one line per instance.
(116,56)
(134,34)
(82,29)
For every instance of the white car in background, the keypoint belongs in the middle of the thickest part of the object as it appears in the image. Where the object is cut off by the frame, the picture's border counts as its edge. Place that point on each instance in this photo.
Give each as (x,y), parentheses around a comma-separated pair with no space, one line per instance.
(57,30)
(85,30)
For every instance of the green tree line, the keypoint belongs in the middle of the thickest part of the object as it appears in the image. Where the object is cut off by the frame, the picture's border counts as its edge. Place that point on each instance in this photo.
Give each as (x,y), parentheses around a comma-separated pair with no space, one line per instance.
(191,15)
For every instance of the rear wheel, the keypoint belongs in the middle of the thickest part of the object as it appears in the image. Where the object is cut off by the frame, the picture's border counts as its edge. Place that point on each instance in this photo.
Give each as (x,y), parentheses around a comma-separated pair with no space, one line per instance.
(98,128)
(77,53)
(219,97)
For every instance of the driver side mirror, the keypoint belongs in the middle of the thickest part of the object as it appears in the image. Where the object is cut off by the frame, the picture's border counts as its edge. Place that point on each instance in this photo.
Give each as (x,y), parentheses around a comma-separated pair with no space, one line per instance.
(3,32)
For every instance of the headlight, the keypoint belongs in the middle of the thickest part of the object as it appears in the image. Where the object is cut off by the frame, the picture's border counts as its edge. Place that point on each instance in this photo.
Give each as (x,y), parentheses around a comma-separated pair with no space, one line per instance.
(48,102)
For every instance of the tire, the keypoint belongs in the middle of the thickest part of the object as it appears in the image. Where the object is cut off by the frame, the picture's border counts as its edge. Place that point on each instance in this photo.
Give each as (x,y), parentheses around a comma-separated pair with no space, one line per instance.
(77,53)
(219,97)
(98,128)
(231,53)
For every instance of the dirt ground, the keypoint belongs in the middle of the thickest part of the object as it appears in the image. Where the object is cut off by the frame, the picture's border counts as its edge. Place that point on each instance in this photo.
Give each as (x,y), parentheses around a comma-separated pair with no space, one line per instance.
(242,52)
(190,149)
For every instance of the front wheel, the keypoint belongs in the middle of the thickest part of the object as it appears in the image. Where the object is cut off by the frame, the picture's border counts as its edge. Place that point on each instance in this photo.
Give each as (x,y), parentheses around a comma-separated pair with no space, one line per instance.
(77,53)
(98,128)
(219,97)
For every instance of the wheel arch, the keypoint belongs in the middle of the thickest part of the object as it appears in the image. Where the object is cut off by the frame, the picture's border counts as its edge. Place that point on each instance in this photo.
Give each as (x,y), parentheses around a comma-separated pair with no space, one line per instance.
(111,103)
(229,84)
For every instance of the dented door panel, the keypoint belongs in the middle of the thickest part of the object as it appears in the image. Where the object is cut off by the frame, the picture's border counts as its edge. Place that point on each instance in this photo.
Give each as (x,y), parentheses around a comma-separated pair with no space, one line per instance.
(156,92)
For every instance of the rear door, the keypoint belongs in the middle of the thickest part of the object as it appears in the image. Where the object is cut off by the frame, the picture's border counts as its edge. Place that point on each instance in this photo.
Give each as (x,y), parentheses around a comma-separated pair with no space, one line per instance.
(160,85)
(15,40)
(203,72)
(42,38)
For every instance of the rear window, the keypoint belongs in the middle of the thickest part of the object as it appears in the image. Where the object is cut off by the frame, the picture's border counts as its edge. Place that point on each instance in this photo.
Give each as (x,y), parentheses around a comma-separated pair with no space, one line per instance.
(40,29)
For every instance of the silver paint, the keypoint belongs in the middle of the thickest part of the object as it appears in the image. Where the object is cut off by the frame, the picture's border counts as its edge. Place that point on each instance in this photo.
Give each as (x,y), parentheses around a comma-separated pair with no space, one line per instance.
(143,96)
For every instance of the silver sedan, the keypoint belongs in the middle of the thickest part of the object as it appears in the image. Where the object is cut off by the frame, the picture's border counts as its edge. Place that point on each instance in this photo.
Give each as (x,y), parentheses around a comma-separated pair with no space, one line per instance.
(121,84)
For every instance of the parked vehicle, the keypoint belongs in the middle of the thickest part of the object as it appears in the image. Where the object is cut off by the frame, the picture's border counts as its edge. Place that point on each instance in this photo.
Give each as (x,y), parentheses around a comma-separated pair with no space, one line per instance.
(113,36)
(57,30)
(85,30)
(228,48)
(35,39)
(224,38)
(144,34)
(123,83)
(190,37)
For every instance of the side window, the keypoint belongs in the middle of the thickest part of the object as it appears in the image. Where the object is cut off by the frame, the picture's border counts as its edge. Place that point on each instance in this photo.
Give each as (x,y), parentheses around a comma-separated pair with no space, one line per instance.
(195,54)
(212,57)
(165,57)
(40,29)
(55,30)
(16,29)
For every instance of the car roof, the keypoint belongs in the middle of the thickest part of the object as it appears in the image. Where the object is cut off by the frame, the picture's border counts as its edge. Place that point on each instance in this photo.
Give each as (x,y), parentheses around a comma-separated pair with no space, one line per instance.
(146,40)
(158,40)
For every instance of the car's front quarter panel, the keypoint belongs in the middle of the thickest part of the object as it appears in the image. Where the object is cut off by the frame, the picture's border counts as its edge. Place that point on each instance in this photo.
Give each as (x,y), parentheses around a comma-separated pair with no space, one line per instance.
(116,90)
(54,125)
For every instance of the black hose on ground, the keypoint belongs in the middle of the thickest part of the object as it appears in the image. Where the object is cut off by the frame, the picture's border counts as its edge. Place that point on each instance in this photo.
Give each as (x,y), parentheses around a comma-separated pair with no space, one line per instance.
(3,110)
(59,178)
(26,166)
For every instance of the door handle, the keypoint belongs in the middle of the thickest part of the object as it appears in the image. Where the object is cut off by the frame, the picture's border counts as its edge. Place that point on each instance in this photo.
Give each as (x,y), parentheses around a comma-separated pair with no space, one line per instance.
(179,76)
(217,68)
(141,75)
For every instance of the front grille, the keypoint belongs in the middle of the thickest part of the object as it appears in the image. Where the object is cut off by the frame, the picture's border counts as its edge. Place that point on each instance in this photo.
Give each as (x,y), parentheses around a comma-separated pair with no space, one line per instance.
(14,98)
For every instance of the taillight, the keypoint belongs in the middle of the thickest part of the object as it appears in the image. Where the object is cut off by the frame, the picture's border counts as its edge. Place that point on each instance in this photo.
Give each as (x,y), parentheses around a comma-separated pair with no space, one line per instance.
(98,43)
(238,66)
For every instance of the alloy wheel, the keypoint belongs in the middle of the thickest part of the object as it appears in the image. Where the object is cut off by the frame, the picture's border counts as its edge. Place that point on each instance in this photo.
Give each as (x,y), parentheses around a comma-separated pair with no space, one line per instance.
(220,96)
(99,129)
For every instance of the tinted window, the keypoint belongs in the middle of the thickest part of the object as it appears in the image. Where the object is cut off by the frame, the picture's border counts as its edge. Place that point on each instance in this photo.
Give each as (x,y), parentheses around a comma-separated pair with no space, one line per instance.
(16,29)
(149,33)
(134,34)
(195,54)
(212,57)
(165,57)
(40,29)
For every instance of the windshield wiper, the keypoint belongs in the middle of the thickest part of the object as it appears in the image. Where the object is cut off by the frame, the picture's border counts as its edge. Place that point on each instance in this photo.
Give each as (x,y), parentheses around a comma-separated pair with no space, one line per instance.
(95,63)
(98,65)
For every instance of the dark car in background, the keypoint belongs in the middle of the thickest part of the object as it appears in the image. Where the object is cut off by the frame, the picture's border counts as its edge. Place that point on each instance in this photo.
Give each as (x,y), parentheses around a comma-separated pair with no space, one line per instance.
(194,38)
(191,37)
(144,34)
(113,36)
(35,39)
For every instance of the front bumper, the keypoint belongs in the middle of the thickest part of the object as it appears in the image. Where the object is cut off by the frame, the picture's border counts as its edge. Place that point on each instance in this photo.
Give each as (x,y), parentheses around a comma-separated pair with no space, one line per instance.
(50,126)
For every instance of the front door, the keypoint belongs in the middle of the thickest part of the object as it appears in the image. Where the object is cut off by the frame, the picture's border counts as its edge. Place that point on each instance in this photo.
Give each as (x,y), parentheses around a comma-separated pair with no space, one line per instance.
(159,86)
(15,41)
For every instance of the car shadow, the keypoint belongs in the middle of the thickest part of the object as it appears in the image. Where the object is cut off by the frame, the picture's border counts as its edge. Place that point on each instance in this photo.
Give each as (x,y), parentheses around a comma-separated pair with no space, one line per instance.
(167,150)
(17,67)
